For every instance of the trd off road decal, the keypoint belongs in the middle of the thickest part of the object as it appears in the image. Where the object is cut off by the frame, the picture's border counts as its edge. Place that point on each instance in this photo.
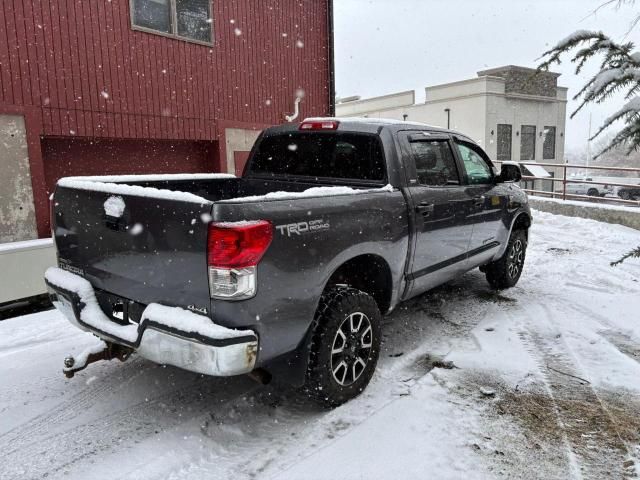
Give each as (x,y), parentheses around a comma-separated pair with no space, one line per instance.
(300,228)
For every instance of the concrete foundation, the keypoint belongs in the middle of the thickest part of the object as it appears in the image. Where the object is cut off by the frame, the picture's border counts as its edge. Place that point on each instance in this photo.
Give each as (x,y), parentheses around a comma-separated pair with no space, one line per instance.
(17,210)
(627,216)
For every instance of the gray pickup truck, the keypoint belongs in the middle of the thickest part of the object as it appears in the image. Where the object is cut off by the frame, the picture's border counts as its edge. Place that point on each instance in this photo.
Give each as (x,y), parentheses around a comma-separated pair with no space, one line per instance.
(287,271)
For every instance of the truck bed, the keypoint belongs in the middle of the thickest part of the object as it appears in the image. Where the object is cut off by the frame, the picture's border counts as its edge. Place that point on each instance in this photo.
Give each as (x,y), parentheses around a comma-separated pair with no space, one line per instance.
(156,251)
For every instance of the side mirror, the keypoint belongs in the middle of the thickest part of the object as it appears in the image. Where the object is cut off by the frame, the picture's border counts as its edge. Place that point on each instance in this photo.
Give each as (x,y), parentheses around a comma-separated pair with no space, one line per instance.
(510,172)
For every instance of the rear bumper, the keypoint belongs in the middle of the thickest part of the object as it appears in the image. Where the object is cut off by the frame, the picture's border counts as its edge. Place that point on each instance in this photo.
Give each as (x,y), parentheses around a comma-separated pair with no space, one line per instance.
(165,335)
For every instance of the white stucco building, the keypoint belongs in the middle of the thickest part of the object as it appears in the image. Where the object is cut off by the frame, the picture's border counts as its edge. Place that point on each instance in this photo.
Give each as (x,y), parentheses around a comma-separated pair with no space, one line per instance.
(515,113)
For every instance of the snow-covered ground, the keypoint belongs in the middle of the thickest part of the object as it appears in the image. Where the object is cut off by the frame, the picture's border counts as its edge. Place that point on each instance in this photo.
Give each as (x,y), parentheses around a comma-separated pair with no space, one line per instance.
(540,381)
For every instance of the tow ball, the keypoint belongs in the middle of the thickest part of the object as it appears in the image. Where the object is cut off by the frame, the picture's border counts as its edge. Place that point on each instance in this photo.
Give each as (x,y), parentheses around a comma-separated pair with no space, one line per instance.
(100,351)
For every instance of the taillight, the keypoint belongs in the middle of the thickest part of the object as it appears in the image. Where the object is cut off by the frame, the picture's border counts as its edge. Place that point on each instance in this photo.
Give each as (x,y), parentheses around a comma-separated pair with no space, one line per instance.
(238,244)
(319,125)
(234,251)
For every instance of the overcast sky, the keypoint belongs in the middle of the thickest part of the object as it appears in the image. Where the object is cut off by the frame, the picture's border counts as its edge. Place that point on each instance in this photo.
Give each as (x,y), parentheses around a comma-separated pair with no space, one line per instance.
(386,46)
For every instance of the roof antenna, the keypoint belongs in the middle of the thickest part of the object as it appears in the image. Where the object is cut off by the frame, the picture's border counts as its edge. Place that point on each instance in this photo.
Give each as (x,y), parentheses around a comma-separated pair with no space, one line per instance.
(296,106)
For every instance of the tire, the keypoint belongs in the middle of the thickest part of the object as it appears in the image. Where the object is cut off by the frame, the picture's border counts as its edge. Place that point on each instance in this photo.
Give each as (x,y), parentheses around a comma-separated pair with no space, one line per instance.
(625,195)
(592,192)
(341,361)
(505,272)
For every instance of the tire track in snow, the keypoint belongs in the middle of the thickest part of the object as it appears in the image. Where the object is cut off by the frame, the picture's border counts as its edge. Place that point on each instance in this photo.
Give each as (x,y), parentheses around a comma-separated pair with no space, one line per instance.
(51,453)
(24,434)
(414,329)
(622,341)
(590,430)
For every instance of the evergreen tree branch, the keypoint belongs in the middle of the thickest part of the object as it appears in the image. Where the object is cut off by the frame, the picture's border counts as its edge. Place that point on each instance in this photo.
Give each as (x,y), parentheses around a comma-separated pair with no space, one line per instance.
(635,253)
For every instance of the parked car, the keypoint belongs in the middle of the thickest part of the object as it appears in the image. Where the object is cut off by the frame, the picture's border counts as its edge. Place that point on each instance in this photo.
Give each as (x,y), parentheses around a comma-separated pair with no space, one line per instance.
(593,190)
(632,192)
(286,271)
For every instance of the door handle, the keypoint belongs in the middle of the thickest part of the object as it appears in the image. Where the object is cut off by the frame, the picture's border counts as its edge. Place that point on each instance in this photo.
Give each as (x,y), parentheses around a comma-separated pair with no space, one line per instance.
(425,208)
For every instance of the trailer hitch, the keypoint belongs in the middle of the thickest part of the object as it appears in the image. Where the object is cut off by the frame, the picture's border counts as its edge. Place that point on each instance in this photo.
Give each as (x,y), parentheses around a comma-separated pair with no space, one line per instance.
(100,351)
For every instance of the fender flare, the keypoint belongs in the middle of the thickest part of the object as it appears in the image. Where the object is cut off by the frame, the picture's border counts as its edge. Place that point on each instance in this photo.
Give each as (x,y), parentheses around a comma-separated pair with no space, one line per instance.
(520,214)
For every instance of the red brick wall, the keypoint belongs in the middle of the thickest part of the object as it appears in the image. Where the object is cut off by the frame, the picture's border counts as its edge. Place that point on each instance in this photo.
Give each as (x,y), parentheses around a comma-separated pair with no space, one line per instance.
(65,157)
(59,55)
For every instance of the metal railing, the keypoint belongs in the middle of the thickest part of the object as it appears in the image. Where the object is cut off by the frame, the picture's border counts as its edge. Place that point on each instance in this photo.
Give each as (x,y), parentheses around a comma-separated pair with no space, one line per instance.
(564,180)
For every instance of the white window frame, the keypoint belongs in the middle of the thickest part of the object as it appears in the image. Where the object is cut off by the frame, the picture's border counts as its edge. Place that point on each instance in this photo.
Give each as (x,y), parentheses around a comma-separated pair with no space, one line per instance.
(173,24)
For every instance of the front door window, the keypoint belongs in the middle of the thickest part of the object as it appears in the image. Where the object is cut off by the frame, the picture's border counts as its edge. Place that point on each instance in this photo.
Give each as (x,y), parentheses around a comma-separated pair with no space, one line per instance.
(478,170)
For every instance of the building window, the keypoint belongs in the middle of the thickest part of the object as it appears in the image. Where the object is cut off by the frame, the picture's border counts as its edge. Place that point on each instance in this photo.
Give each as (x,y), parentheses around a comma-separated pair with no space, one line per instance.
(185,19)
(504,141)
(549,145)
(528,142)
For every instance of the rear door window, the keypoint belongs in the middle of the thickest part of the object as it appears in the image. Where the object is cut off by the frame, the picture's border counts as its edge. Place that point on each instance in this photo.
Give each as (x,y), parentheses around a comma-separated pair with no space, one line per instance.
(321,155)
(435,164)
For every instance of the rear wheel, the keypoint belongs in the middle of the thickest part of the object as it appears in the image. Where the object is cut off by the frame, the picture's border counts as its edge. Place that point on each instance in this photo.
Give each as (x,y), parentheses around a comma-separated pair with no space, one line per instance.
(625,195)
(345,346)
(505,272)
(592,192)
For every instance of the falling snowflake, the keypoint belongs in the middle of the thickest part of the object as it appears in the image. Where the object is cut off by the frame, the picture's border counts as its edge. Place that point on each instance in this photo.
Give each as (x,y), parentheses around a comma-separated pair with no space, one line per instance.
(232,21)
(164,70)
(136,229)
(72,132)
(299,44)
(104,94)
(284,34)
(292,147)
(238,32)
(267,102)
(209,20)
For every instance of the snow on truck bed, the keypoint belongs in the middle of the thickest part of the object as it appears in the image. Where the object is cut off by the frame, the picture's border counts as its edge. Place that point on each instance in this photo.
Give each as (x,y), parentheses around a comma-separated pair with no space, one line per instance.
(309,193)
(539,381)
(107,184)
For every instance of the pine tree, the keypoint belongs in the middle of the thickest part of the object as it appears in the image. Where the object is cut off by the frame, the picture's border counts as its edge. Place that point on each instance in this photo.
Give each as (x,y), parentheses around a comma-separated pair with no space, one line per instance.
(619,72)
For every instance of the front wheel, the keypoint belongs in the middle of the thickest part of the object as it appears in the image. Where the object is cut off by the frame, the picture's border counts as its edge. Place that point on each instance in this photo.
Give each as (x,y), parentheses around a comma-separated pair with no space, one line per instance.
(345,346)
(505,272)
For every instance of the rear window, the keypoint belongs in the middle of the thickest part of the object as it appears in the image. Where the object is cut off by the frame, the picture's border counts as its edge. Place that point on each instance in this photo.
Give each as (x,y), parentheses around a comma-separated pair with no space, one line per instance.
(328,155)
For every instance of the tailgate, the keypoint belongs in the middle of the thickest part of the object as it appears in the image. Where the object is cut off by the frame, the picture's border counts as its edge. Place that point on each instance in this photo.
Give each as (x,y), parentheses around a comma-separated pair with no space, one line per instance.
(139,244)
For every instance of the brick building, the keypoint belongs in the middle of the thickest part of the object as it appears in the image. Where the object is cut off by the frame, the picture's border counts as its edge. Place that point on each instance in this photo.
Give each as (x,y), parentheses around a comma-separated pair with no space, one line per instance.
(140,86)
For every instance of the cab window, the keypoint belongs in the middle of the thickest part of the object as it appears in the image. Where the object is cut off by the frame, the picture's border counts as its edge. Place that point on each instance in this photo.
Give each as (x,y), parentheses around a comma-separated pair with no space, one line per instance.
(477,169)
(435,164)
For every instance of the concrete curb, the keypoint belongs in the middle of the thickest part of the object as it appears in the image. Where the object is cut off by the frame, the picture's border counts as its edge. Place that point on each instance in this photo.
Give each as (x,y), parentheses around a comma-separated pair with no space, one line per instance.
(627,216)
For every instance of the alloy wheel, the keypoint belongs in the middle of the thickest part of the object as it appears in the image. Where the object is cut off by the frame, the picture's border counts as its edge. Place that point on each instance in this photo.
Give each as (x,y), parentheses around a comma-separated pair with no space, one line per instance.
(516,258)
(351,348)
